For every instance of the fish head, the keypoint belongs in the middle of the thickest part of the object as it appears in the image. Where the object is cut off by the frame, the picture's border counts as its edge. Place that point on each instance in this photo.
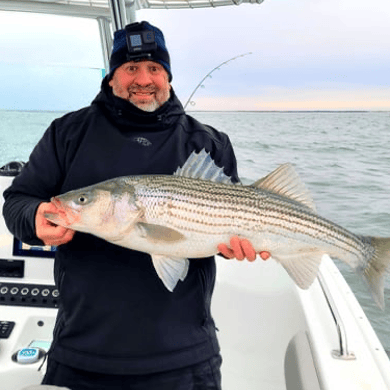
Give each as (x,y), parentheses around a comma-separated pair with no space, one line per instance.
(78,209)
(102,210)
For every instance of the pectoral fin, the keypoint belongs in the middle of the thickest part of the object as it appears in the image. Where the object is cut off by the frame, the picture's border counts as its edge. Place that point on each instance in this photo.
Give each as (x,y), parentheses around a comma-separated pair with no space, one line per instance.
(170,270)
(302,266)
(158,232)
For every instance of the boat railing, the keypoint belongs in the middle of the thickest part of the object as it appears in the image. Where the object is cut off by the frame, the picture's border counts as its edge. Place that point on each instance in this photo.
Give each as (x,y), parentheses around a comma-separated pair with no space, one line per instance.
(343,353)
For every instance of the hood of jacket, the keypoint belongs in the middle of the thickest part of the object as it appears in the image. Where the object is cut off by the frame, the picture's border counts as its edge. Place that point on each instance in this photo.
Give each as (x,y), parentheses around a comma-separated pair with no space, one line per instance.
(128,116)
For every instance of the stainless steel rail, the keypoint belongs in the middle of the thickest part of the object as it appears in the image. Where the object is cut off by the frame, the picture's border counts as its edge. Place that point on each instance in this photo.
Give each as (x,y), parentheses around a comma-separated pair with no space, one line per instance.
(118,14)
(343,353)
(105,40)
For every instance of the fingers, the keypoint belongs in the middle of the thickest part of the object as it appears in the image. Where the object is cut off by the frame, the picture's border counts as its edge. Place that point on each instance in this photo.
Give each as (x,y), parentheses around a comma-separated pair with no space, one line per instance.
(57,235)
(241,249)
(226,251)
(248,250)
(235,244)
(265,255)
(48,232)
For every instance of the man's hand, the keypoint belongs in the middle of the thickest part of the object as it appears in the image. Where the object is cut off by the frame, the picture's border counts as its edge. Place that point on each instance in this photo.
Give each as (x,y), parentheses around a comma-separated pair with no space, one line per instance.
(241,249)
(49,233)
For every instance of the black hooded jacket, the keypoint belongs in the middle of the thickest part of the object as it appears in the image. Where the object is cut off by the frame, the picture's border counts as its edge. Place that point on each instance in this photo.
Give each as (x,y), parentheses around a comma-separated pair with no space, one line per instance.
(115,315)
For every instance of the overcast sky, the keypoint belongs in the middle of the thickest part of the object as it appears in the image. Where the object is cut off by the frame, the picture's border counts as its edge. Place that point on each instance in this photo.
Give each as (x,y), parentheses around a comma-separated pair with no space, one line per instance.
(306,55)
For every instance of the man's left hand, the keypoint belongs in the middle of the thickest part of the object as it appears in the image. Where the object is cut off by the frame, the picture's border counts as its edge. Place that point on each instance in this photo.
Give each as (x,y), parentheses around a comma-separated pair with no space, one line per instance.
(240,249)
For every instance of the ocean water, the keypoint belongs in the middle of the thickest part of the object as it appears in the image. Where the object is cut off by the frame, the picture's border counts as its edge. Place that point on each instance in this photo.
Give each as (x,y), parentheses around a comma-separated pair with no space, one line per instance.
(343,158)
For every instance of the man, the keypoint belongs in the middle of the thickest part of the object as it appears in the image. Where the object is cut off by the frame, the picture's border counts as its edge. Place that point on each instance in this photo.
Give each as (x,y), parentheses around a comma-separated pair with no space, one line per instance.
(117,325)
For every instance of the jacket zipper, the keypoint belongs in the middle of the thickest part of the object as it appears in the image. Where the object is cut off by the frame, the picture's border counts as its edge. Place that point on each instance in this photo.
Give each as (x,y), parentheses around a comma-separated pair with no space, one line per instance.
(203,284)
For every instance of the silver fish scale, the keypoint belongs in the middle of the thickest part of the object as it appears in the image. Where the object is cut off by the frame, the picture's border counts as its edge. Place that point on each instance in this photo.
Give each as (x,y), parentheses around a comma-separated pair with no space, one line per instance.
(284,216)
(199,206)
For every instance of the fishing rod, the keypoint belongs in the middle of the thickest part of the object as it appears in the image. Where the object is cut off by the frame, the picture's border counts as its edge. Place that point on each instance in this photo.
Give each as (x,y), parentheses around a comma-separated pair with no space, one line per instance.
(218,67)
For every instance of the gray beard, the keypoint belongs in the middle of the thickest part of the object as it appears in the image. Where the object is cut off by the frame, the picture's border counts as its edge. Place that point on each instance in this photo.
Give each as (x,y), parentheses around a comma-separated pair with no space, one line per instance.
(151,107)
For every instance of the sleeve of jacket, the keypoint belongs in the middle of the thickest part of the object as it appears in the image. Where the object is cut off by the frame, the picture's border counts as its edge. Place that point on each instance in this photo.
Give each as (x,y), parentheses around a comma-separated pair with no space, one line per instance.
(39,179)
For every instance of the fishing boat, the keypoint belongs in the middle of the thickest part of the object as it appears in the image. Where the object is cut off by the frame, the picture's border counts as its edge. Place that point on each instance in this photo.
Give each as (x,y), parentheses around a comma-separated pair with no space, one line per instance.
(273,335)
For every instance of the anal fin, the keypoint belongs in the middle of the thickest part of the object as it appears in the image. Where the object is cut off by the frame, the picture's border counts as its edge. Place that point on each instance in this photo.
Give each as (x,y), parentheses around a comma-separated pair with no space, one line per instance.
(302,266)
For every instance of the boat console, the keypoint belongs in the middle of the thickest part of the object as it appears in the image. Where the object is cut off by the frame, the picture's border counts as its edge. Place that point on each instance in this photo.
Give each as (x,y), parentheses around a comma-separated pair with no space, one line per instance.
(28,303)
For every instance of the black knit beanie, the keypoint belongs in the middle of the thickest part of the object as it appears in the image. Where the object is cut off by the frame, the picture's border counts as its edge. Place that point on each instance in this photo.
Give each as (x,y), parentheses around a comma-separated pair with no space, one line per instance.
(120,53)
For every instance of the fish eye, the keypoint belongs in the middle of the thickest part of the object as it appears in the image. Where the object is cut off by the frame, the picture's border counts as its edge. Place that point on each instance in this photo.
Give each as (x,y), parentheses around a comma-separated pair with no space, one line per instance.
(82,199)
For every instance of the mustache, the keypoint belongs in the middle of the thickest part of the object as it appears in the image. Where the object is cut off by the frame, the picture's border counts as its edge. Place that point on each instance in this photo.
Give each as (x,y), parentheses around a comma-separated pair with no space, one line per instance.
(138,88)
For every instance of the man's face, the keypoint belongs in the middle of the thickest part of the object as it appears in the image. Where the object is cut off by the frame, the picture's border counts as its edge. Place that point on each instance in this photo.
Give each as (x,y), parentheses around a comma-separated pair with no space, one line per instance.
(144,83)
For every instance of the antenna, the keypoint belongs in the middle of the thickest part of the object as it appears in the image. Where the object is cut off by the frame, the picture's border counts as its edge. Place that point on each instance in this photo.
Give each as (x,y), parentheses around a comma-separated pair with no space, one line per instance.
(200,85)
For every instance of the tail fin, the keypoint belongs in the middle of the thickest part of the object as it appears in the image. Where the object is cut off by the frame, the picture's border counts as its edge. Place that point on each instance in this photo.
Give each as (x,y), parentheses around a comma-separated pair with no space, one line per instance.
(378,265)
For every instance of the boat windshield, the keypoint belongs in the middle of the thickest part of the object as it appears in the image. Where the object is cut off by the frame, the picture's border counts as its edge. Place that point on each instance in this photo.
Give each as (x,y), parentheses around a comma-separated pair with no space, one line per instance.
(43,75)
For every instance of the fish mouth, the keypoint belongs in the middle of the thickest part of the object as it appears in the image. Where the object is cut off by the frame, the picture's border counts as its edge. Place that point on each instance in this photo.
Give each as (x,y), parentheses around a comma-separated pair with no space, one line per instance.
(56,202)
(54,218)
(64,216)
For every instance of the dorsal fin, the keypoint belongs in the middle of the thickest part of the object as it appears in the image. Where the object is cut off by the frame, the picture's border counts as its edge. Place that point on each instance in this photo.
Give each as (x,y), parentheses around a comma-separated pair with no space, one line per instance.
(202,166)
(285,181)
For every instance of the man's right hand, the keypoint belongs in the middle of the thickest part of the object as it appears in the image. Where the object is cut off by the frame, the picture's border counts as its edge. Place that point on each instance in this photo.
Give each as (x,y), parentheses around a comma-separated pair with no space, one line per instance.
(48,232)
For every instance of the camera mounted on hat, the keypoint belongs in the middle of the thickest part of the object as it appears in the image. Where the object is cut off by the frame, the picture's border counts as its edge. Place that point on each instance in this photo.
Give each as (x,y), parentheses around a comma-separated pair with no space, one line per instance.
(141,43)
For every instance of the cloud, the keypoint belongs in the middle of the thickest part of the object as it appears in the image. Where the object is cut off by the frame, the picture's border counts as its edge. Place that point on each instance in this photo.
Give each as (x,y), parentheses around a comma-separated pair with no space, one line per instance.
(278,98)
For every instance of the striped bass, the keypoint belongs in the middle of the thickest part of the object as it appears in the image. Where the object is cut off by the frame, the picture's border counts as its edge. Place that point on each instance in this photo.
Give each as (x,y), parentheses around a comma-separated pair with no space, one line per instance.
(186,215)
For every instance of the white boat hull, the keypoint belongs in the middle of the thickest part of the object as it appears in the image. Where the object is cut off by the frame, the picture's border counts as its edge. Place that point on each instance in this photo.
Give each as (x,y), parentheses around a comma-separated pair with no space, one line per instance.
(276,336)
